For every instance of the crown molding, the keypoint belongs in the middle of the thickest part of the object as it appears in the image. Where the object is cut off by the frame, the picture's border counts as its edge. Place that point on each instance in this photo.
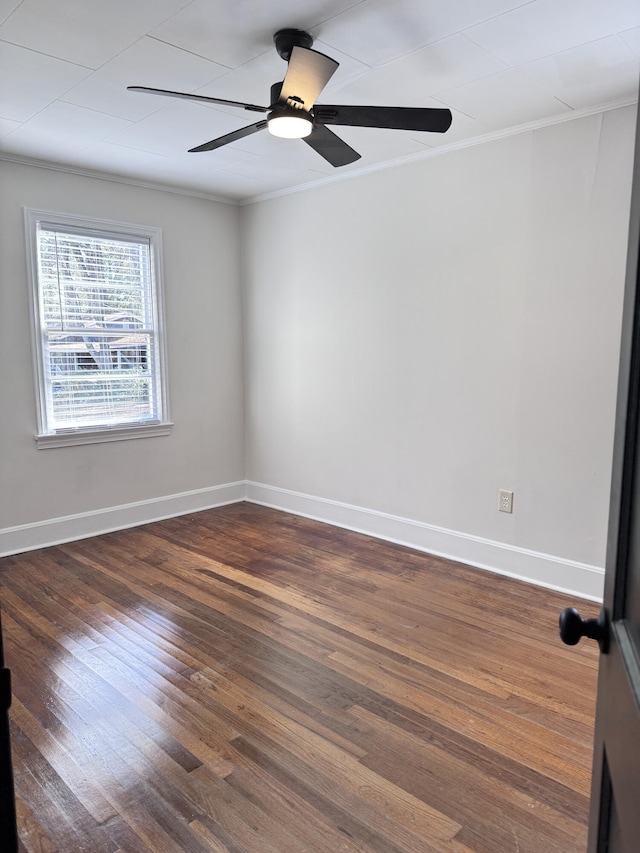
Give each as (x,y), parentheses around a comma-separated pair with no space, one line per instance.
(116,179)
(428,153)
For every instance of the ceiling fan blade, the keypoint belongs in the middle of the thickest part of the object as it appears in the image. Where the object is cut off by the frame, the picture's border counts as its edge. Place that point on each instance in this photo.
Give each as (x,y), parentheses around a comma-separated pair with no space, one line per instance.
(307,75)
(253,107)
(398,118)
(230,137)
(331,147)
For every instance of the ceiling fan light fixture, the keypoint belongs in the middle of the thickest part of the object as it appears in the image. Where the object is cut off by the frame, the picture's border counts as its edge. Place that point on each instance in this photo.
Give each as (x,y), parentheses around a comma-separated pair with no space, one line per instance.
(289,123)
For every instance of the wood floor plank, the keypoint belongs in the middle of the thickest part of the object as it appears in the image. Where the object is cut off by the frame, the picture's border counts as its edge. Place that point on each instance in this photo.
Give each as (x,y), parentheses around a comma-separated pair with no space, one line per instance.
(435,772)
(33,838)
(243,680)
(333,768)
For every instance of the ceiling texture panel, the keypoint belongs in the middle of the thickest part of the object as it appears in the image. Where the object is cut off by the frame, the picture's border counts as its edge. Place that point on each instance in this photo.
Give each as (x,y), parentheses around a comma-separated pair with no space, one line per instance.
(160,65)
(498,65)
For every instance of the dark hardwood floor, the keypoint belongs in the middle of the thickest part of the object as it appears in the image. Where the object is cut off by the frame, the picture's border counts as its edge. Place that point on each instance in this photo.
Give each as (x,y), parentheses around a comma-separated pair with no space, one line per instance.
(249,681)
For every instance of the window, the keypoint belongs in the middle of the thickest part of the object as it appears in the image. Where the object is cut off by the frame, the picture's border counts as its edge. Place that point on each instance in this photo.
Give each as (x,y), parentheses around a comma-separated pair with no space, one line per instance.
(97,317)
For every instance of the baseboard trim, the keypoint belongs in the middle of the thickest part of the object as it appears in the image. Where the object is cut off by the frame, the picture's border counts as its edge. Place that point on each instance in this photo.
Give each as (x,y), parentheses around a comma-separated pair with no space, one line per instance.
(577,579)
(55,531)
(568,576)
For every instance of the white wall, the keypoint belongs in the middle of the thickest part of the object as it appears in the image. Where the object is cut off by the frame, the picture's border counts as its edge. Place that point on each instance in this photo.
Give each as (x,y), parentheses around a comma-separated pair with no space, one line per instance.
(204,329)
(420,337)
(416,339)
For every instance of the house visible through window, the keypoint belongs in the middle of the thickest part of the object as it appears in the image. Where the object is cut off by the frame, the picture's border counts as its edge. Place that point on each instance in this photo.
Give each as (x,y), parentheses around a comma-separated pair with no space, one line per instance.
(98,329)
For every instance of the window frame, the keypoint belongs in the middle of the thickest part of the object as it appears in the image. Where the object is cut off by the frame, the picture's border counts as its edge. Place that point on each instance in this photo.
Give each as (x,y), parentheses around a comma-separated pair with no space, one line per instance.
(47,436)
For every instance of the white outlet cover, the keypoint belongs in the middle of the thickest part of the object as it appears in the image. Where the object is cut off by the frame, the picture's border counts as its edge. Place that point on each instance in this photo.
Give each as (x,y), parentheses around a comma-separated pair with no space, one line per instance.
(505,503)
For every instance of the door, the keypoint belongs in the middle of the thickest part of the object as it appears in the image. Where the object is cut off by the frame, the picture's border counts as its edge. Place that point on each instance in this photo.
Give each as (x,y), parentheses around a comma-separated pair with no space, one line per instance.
(8,833)
(614,825)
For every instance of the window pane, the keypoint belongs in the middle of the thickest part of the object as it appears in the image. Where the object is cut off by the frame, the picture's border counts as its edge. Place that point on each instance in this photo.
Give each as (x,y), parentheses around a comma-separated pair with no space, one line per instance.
(99,400)
(100,379)
(99,354)
(84,280)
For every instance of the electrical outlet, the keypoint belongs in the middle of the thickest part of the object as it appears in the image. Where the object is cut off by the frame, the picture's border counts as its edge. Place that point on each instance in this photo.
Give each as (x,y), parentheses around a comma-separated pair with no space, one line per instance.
(505,501)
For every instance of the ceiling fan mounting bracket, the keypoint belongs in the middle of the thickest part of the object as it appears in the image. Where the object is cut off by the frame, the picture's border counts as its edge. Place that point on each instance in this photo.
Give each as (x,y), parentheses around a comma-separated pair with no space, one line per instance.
(286,40)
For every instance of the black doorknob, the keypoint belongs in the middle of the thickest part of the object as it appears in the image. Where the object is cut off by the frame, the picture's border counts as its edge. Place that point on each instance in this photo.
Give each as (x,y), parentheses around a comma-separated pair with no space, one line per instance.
(573,626)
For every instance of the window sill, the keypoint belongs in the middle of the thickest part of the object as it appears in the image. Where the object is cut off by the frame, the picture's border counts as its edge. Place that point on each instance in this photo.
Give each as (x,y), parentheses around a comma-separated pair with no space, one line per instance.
(98,436)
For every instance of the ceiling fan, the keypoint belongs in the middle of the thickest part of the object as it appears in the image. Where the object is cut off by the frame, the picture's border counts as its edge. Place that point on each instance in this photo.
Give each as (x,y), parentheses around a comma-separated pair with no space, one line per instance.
(294,114)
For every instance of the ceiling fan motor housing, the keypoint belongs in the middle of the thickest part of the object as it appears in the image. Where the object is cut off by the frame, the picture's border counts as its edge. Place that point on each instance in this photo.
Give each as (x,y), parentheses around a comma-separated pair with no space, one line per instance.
(275,93)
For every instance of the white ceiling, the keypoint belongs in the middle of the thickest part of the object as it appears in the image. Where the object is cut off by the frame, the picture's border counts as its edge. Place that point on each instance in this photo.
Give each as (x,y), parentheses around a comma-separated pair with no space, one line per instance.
(498,64)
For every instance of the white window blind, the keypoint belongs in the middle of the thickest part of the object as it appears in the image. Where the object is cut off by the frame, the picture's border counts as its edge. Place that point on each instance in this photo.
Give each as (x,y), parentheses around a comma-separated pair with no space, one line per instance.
(97,334)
